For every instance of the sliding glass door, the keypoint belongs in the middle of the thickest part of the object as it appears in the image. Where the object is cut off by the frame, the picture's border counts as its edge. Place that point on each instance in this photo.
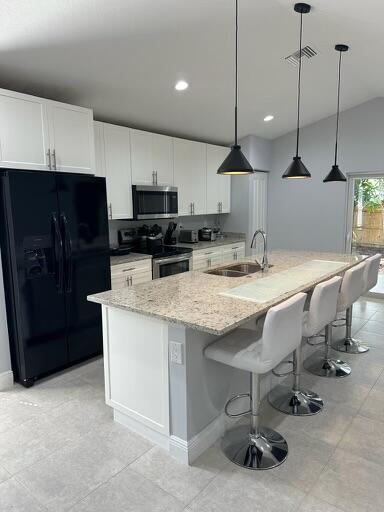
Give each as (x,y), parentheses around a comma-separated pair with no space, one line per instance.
(365,219)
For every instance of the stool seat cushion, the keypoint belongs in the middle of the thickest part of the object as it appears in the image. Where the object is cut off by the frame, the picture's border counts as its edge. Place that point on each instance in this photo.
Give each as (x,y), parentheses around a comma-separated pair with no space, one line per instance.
(241,349)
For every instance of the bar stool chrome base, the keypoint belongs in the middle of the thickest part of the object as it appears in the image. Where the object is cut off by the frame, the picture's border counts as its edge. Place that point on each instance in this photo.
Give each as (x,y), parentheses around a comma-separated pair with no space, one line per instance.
(326,367)
(263,450)
(296,403)
(350,346)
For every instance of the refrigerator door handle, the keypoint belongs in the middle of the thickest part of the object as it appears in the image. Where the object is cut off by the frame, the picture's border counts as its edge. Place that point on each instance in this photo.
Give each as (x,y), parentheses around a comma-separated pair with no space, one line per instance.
(68,252)
(59,262)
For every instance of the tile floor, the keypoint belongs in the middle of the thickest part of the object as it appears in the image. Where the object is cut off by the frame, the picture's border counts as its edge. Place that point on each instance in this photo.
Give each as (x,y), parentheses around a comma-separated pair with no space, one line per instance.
(60,449)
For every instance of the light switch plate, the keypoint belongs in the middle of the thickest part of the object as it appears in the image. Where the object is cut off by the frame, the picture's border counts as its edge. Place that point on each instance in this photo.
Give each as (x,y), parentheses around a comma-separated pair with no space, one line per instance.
(176,352)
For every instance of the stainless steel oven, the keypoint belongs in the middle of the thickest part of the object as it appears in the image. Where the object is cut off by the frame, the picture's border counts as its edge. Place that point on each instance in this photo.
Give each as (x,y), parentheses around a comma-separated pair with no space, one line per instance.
(154,202)
(170,265)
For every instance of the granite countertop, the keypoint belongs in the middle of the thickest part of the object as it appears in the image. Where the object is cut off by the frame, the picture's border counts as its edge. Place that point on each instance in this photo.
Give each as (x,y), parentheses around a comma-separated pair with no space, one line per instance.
(194,299)
(227,240)
(129,258)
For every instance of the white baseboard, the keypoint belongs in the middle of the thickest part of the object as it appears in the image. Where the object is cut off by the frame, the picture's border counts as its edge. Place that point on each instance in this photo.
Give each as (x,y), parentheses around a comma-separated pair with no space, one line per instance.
(6,380)
(158,438)
(187,452)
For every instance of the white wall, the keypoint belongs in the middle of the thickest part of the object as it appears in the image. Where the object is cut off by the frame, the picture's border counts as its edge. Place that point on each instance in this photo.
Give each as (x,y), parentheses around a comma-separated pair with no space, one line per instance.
(310,214)
(5,361)
(259,152)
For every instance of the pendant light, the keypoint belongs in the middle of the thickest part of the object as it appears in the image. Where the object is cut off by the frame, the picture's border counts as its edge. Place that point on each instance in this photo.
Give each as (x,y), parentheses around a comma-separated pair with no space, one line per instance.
(236,163)
(297,169)
(335,174)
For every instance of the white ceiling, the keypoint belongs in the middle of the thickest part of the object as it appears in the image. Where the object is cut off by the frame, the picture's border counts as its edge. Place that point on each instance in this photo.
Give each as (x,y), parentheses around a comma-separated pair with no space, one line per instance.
(122,58)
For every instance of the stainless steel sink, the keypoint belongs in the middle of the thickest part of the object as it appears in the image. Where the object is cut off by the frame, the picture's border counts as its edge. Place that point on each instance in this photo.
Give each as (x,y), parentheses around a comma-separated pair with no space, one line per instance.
(225,273)
(236,269)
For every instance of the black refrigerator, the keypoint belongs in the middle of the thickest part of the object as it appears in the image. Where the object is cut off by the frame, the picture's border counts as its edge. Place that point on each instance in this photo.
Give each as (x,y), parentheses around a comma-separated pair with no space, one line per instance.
(55,251)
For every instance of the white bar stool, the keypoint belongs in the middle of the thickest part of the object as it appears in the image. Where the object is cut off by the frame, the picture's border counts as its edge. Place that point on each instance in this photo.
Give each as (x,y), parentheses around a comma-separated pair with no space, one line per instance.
(321,314)
(352,287)
(371,273)
(255,446)
(322,310)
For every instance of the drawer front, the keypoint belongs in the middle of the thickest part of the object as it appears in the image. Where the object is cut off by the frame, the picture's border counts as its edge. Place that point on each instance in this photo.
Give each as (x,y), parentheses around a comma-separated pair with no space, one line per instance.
(135,266)
(127,279)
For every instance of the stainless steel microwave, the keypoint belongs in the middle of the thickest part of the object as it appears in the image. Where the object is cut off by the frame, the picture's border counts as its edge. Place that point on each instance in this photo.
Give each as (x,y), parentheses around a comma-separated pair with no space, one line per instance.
(154,202)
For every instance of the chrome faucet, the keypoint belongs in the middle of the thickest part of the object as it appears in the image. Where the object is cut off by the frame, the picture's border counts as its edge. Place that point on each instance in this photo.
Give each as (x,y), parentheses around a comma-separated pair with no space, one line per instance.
(264,264)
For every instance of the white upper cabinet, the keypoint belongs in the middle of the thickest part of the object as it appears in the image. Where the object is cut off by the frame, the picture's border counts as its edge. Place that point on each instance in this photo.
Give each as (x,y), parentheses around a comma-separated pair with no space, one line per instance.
(218,187)
(71,138)
(190,176)
(118,171)
(41,134)
(151,157)
(24,140)
(98,132)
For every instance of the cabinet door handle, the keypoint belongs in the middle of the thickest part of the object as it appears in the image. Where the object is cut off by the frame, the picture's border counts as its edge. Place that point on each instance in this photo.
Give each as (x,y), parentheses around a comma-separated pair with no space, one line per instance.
(54,159)
(221,207)
(155,177)
(128,269)
(110,210)
(130,280)
(193,208)
(209,262)
(49,159)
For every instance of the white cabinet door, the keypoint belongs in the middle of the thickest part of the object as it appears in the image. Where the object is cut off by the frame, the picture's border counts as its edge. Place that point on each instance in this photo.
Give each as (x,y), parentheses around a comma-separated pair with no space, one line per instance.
(71,138)
(152,158)
(141,158)
(98,130)
(218,187)
(118,171)
(162,159)
(190,176)
(232,253)
(23,132)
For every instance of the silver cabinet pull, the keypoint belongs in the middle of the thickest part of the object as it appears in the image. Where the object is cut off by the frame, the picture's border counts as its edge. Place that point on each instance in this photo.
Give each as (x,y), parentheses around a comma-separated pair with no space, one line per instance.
(128,269)
(190,208)
(209,262)
(193,208)
(130,280)
(110,210)
(153,178)
(54,159)
(49,159)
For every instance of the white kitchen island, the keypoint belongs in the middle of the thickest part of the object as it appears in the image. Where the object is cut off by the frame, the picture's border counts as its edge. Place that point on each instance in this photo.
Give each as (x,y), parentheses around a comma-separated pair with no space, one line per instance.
(156,377)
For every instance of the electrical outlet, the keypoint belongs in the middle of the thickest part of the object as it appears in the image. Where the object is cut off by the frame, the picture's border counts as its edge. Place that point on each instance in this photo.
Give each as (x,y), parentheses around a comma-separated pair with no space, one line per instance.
(176,352)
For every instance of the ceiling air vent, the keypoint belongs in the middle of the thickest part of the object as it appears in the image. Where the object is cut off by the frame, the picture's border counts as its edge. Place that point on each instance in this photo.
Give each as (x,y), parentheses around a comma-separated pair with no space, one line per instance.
(307,51)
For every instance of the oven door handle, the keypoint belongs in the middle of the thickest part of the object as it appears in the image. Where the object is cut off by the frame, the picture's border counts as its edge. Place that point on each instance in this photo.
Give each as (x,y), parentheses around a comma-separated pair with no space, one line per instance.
(171,259)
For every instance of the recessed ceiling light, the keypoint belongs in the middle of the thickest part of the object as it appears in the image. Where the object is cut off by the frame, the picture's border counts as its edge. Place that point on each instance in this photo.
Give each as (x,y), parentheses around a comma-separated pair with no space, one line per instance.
(181,85)
(268,118)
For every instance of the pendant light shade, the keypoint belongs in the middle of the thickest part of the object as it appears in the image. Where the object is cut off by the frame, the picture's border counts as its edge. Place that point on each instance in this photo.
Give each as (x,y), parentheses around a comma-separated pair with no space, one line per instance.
(335,174)
(236,163)
(297,169)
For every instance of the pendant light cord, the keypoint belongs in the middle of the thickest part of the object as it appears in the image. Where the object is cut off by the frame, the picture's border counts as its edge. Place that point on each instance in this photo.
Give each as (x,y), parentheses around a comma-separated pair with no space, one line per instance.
(338,109)
(299,86)
(236,73)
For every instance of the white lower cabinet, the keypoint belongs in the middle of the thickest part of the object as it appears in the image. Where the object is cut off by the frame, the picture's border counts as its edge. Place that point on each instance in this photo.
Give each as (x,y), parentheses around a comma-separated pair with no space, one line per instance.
(204,259)
(232,253)
(129,274)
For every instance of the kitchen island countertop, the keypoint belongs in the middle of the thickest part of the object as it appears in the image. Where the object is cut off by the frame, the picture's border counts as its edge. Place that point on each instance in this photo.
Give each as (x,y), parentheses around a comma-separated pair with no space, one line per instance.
(194,299)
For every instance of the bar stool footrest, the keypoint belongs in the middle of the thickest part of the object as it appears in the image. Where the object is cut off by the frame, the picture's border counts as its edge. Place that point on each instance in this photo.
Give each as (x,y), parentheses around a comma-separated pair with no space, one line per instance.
(233,399)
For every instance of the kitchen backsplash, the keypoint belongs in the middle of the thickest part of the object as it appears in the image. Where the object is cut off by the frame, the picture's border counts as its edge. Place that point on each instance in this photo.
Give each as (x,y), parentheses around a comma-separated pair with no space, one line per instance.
(194,222)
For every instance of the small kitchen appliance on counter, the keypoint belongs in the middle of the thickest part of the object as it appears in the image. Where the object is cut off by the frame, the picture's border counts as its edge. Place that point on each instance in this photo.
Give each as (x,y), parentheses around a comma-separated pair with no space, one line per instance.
(188,236)
(206,235)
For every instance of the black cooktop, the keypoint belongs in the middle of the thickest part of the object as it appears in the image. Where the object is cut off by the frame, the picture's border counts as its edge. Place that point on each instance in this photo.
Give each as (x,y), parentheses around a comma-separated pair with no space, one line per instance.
(162,251)
(165,250)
